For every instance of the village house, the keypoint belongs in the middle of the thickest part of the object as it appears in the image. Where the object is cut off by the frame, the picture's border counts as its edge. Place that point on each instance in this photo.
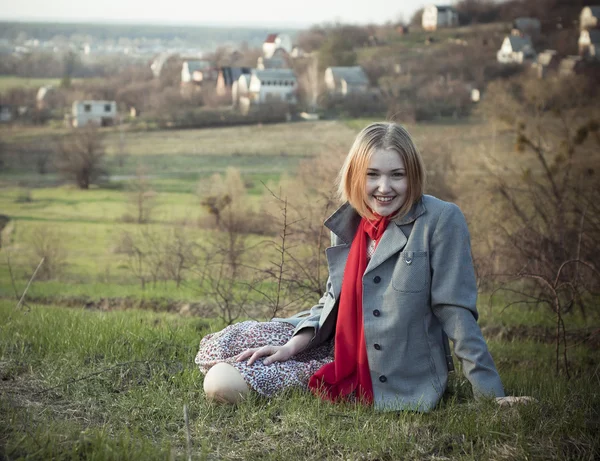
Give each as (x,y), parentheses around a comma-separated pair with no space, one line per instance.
(268,86)
(194,71)
(158,62)
(342,81)
(298,52)
(515,50)
(526,26)
(227,77)
(279,60)
(42,96)
(437,16)
(6,114)
(590,17)
(101,113)
(547,61)
(274,42)
(589,44)
(239,90)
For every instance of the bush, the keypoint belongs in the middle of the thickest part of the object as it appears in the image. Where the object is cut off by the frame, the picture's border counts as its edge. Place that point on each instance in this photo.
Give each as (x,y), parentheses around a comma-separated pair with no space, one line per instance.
(47,244)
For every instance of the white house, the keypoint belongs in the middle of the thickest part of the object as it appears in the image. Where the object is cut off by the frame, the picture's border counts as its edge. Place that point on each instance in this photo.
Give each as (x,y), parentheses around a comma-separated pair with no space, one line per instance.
(272,85)
(589,44)
(193,71)
(436,16)
(546,61)
(102,113)
(515,50)
(590,17)
(342,81)
(41,96)
(158,63)
(239,92)
(276,41)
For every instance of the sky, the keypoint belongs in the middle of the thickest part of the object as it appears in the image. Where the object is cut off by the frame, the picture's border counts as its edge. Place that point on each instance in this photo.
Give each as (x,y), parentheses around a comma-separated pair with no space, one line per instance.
(251,13)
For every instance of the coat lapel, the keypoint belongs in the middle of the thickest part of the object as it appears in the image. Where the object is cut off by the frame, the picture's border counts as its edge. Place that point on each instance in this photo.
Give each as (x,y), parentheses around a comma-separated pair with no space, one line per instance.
(344,223)
(392,241)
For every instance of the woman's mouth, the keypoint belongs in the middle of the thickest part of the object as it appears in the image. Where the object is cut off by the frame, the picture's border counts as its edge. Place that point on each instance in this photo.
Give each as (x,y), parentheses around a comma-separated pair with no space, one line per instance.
(382,199)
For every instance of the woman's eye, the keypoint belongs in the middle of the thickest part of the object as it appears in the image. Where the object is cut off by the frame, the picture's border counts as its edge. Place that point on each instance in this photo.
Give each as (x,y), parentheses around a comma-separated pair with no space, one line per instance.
(372,174)
(399,175)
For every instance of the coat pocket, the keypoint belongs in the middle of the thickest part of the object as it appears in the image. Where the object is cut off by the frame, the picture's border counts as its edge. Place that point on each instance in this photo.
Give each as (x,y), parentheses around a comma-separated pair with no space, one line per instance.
(411,274)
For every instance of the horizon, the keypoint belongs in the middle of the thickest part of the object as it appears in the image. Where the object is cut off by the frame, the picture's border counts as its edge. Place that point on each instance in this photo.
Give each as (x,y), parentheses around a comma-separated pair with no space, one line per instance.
(179,12)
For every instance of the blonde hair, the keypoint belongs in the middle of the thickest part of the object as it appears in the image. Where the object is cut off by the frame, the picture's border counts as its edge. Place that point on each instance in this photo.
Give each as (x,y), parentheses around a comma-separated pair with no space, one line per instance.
(353,175)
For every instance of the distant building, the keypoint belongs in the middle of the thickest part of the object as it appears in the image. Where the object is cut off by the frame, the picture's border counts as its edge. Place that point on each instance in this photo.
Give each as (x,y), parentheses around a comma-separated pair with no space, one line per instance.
(546,62)
(274,42)
(226,78)
(297,52)
(41,98)
(342,81)
(515,50)
(590,17)
(158,63)
(6,114)
(239,92)
(526,26)
(194,71)
(438,16)
(589,44)
(101,113)
(272,85)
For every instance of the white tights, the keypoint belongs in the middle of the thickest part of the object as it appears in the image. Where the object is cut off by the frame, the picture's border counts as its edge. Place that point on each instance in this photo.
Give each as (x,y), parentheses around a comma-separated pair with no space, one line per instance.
(223,383)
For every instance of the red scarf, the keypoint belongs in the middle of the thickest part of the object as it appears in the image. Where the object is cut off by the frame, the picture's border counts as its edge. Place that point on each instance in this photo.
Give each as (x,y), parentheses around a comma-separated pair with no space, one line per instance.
(349,371)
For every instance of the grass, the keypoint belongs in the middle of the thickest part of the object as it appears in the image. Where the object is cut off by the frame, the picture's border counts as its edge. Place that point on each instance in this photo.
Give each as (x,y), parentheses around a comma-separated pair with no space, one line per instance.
(81,382)
(84,384)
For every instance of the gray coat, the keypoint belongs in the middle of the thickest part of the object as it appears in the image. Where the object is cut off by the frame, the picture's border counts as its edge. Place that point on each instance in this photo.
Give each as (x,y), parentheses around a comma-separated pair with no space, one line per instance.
(418,287)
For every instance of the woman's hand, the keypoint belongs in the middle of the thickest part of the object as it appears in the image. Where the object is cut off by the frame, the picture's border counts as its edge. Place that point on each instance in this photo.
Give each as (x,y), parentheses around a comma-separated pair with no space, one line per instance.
(272,354)
(278,353)
(510,401)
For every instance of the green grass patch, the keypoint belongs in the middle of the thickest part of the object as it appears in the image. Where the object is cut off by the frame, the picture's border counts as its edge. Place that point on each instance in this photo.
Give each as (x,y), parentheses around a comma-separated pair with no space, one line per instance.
(82,384)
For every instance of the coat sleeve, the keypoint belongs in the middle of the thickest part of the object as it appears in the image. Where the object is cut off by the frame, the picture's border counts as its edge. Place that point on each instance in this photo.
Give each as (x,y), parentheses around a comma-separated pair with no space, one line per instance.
(454,298)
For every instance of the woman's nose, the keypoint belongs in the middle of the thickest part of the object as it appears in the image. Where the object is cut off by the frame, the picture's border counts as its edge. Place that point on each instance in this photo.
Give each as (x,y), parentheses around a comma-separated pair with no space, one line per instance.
(384,184)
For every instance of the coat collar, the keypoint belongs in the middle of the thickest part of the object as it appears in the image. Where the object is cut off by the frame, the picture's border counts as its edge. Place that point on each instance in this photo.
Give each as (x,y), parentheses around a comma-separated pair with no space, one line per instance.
(345,220)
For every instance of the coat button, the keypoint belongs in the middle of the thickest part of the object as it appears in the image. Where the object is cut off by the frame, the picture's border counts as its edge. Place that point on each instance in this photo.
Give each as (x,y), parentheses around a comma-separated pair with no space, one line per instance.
(377,279)
(382,378)
(376,313)
(377,347)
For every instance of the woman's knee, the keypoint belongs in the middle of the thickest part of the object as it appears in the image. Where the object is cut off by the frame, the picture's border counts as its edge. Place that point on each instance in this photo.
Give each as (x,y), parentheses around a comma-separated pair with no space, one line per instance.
(223,383)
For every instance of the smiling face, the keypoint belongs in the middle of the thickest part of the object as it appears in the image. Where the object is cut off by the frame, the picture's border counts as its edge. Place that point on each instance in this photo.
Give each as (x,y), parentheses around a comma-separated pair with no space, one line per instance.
(386,183)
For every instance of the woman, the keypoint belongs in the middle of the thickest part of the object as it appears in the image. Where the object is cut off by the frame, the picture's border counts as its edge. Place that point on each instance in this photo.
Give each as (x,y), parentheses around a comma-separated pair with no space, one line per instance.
(401,281)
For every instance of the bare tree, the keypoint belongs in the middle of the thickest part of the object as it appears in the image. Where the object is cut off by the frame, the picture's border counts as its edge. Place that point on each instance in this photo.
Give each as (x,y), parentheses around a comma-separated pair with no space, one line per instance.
(142,197)
(551,221)
(180,255)
(80,156)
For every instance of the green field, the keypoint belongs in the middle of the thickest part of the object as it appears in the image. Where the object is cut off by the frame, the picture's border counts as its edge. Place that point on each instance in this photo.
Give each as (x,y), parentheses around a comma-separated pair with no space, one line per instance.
(93,365)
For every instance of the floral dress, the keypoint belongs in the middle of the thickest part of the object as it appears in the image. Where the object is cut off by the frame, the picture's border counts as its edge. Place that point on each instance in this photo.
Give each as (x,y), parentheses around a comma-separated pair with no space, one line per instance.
(225,345)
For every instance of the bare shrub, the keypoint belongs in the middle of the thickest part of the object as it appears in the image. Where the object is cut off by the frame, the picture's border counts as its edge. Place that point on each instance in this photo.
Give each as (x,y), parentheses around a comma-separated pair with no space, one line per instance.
(180,255)
(550,224)
(142,198)
(223,277)
(48,244)
(80,157)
